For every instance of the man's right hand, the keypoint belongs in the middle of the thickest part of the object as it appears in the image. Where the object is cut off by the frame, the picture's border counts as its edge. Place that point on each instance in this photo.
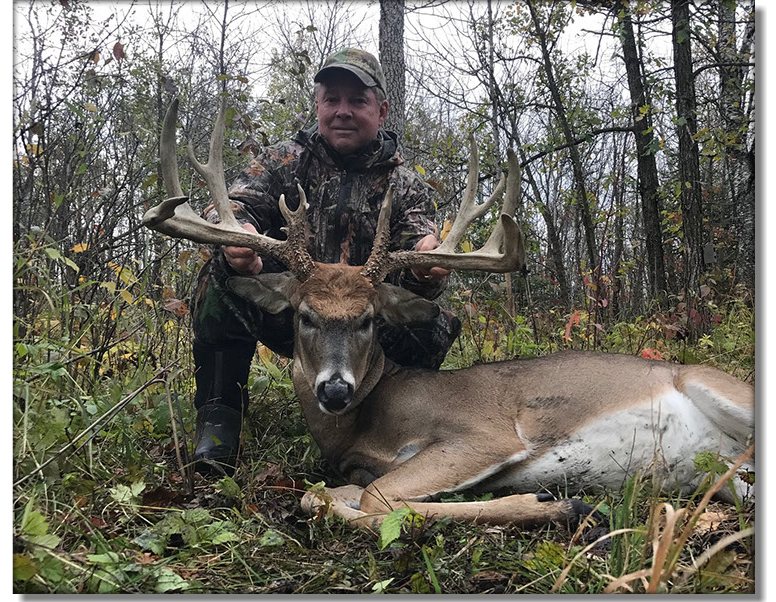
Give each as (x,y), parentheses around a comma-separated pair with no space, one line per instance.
(242,259)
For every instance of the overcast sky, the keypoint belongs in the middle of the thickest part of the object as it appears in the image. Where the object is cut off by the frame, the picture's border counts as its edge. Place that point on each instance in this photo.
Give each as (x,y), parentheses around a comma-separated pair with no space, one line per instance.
(431,21)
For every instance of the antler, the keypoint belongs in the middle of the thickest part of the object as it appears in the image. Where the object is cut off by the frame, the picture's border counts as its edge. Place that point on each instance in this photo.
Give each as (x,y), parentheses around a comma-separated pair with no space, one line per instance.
(488,258)
(175,217)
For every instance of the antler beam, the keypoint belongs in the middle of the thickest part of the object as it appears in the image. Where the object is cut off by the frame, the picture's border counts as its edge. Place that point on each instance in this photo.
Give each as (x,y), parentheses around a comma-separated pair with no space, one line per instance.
(175,217)
(502,252)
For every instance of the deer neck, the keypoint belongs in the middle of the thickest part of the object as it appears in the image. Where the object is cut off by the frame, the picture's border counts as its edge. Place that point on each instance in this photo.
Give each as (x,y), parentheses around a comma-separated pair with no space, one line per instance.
(377,367)
(334,434)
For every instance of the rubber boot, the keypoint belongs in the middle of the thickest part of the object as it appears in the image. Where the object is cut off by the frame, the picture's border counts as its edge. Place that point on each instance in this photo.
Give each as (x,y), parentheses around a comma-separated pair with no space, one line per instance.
(218,439)
(221,401)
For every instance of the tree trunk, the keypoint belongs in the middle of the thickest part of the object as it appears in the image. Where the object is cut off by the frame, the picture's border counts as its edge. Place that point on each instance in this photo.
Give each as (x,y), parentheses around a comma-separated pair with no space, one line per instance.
(392,61)
(732,102)
(689,164)
(576,162)
(553,239)
(647,167)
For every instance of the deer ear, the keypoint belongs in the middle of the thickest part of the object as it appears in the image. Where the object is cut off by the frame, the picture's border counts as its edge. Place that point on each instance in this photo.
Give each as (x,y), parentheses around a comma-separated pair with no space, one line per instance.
(399,306)
(268,292)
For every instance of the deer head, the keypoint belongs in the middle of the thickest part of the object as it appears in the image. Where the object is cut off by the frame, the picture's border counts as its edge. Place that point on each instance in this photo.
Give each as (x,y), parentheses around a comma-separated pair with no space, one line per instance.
(335,346)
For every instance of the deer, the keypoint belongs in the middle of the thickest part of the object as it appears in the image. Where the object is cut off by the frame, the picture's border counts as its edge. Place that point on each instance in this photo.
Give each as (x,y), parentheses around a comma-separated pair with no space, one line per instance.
(574,421)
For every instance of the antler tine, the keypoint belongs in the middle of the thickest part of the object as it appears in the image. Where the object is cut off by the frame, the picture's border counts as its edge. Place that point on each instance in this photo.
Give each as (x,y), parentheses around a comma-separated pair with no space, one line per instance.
(511,202)
(379,262)
(296,256)
(469,210)
(175,217)
(167,152)
(213,170)
(503,251)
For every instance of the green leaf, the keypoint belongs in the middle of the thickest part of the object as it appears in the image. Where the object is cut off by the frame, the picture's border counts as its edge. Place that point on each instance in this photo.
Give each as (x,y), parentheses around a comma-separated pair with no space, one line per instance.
(390,529)
(53,253)
(379,587)
(124,494)
(196,516)
(271,539)
(34,523)
(168,580)
(149,181)
(107,558)
(50,541)
(225,536)
(229,488)
(149,540)
(24,568)
(707,461)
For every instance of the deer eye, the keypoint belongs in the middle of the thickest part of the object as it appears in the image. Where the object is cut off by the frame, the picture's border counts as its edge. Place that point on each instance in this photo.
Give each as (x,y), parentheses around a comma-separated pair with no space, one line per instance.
(305,321)
(366,324)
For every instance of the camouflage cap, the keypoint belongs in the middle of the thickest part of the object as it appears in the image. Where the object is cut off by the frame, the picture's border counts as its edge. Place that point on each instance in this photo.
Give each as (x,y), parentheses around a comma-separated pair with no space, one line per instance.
(359,62)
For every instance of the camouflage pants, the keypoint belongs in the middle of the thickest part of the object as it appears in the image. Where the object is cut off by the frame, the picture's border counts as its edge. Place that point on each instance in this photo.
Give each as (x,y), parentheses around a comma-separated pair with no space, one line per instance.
(227,328)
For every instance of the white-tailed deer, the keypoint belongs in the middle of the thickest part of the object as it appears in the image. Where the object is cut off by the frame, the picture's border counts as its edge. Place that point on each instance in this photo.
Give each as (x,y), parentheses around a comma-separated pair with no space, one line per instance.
(570,421)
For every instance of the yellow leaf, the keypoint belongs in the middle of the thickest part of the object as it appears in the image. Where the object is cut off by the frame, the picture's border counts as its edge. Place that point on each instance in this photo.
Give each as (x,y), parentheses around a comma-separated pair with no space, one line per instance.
(420,170)
(127,296)
(446,227)
(123,272)
(109,286)
(148,301)
(79,248)
(265,353)
(466,246)
(89,106)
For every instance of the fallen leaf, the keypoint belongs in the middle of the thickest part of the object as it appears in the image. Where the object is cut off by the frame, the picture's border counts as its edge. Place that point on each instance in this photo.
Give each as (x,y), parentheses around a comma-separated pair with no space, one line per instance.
(709,521)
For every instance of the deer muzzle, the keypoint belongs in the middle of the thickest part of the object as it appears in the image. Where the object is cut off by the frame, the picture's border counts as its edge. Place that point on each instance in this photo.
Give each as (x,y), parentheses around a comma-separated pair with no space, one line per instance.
(334,394)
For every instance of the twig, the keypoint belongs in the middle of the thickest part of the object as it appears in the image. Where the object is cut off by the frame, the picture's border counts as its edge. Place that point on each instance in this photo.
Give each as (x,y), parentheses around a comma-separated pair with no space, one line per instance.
(708,554)
(100,422)
(184,469)
(99,349)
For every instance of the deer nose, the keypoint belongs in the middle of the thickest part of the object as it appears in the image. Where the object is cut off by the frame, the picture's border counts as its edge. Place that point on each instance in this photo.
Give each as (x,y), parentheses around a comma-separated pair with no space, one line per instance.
(335,393)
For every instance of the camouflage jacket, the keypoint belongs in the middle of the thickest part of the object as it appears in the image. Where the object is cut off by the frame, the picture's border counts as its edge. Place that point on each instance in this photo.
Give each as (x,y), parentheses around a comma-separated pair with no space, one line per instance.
(344,196)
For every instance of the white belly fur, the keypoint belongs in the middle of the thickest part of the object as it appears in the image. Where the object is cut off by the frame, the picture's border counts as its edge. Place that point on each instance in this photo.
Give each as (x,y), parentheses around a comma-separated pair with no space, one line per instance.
(664,435)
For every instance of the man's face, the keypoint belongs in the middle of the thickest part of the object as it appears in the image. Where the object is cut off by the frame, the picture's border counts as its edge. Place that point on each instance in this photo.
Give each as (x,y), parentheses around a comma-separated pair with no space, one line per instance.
(348,112)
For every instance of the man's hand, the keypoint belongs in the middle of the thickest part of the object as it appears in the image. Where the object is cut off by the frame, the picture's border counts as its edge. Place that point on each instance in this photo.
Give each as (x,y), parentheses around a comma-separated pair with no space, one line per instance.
(242,259)
(428,243)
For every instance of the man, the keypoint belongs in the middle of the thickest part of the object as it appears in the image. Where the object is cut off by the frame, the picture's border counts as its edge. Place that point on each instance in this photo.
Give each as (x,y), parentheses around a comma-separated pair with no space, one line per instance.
(345,164)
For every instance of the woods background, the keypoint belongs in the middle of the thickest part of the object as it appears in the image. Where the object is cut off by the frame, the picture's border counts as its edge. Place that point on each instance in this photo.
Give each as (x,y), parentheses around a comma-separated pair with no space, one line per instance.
(633,121)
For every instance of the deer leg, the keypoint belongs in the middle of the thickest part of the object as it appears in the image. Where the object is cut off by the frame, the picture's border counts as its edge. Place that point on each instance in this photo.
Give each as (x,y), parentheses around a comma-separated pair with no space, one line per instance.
(445,467)
(343,502)
(520,509)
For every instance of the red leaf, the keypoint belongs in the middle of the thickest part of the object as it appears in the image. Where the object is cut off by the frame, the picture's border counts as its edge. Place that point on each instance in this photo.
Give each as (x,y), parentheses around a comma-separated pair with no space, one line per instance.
(574,319)
(176,306)
(118,51)
(652,354)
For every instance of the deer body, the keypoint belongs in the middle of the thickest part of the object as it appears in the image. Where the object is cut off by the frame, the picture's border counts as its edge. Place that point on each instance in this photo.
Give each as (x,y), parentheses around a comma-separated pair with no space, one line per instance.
(568,421)
(559,427)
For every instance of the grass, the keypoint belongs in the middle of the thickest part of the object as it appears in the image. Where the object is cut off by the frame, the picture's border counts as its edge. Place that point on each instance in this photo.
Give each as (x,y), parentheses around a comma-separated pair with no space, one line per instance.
(102,503)
(132,527)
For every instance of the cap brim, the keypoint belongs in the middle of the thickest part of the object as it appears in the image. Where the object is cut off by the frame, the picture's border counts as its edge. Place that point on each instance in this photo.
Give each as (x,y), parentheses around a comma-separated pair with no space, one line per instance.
(362,75)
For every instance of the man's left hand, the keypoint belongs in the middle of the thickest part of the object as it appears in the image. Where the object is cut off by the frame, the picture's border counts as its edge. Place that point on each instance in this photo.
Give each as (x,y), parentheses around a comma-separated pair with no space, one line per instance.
(428,243)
